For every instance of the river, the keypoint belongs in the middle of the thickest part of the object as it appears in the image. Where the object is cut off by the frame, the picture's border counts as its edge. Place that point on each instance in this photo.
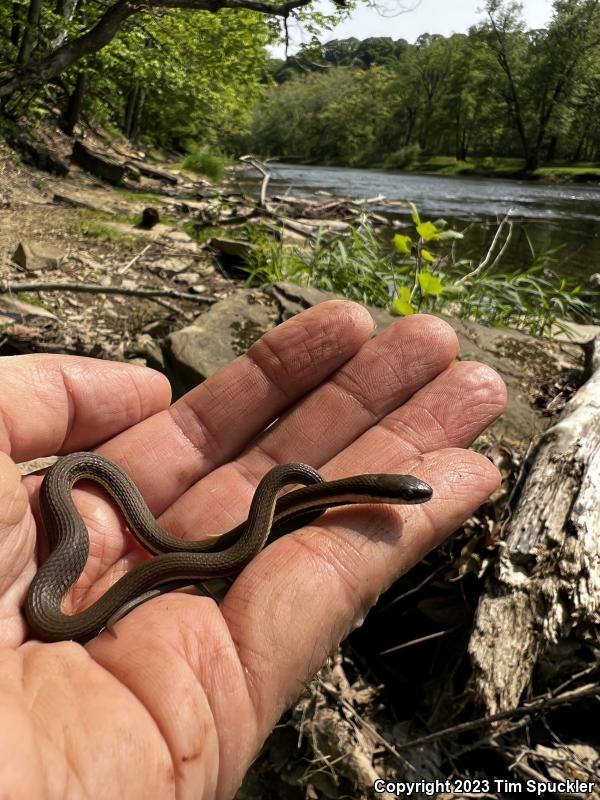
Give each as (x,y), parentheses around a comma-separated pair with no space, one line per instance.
(561,221)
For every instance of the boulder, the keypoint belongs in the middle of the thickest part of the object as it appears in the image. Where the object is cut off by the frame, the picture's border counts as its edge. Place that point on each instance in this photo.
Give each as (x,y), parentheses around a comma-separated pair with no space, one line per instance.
(35,257)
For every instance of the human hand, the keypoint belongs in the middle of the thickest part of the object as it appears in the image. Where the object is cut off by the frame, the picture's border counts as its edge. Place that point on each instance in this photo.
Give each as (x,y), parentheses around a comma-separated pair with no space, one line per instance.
(180,702)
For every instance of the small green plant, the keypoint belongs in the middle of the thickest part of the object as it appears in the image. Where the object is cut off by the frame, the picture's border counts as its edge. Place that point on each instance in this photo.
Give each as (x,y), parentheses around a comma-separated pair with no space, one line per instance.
(422,274)
(204,163)
(532,299)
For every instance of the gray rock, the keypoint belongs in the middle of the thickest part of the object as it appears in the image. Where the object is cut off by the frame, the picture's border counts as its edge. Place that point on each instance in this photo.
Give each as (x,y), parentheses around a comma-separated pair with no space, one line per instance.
(224,332)
(35,257)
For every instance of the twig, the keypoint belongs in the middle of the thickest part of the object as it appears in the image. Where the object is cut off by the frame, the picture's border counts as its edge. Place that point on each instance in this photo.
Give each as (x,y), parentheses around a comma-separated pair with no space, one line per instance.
(417,641)
(93,288)
(488,257)
(528,708)
(123,270)
(373,731)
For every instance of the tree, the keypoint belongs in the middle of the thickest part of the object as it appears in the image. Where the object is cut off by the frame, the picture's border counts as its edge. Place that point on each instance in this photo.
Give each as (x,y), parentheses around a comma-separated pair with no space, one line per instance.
(103,22)
(539,69)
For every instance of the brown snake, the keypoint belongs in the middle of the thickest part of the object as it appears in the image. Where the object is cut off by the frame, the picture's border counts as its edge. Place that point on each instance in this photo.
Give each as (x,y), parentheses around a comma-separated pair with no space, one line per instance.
(176,562)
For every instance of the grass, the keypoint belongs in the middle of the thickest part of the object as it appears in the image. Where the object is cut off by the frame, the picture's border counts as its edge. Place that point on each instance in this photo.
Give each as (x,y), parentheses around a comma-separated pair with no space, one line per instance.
(32,299)
(501,167)
(206,164)
(141,197)
(93,224)
(363,268)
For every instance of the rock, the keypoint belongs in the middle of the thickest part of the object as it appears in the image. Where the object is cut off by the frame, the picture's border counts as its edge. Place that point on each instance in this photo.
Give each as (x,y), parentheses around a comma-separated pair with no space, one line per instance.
(573,332)
(17,312)
(232,255)
(35,257)
(99,165)
(521,360)
(221,334)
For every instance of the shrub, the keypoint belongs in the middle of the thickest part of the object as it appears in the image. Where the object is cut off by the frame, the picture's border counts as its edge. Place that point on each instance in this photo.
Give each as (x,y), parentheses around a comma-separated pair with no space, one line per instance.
(204,163)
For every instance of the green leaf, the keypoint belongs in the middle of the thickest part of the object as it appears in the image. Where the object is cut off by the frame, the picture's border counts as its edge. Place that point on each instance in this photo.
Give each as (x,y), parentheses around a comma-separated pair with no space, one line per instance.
(427,255)
(428,232)
(402,308)
(402,244)
(414,214)
(430,284)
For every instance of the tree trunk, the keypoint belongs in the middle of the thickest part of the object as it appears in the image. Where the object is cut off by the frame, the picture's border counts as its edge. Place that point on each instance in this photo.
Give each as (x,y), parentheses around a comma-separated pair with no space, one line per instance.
(532,161)
(137,116)
(73,110)
(548,578)
(130,110)
(31,32)
(15,30)
(65,9)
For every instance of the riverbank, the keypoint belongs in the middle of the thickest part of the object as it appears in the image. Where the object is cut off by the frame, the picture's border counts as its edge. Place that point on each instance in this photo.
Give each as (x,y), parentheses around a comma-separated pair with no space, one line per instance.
(490,167)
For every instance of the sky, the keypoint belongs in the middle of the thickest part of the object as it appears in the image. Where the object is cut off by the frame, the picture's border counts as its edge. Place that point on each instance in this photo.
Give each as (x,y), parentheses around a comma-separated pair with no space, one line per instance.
(428,16)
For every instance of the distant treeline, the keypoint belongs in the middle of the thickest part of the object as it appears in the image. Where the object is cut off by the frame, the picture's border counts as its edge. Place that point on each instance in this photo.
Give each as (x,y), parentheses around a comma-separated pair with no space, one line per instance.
(499,91)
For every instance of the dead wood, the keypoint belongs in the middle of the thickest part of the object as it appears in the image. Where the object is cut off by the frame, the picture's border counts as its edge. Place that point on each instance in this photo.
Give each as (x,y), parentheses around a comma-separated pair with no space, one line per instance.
(548,577)
(93,288)
(258,165)
(154,172)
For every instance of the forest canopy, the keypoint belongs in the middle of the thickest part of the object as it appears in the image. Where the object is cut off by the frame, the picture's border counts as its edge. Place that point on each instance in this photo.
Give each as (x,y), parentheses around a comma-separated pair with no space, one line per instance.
(499,90)
(172,70)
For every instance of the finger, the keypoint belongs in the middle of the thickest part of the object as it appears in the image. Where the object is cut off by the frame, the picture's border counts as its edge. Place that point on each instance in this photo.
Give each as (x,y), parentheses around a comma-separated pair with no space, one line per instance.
(55,404)
(215,421)
(314,586)
(382,376)
(449,411)
(17,541)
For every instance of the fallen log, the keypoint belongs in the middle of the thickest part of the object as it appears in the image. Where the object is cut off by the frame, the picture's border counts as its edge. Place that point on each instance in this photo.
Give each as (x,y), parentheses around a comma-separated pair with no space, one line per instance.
(547,581)
(98,164)
(154,172)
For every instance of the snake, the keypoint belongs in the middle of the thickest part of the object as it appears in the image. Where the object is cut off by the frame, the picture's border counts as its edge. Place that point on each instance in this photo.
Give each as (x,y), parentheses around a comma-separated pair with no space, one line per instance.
(176,562)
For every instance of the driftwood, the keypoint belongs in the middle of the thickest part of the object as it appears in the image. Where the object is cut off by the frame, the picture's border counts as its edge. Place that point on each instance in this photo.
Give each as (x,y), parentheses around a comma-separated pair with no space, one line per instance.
(548,577)
(258,165)
(98,164)
(153,172)
(93,288)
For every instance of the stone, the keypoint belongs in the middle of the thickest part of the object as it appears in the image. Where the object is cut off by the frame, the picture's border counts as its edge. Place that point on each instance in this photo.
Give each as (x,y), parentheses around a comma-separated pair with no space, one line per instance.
(216,337)
(35,257)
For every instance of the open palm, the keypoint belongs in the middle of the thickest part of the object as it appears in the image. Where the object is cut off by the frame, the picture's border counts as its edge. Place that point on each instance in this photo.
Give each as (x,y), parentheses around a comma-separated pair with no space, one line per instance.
(180,702)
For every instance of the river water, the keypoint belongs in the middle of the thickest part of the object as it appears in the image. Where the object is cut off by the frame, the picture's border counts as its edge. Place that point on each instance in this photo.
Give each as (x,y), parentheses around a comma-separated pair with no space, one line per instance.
(561,221)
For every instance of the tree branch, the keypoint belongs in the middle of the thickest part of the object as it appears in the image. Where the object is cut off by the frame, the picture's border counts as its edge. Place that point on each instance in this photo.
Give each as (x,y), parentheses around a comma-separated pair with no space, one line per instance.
(39,71)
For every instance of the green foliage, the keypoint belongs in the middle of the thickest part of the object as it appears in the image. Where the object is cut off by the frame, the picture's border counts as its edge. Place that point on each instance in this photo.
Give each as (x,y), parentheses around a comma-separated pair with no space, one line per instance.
(498,91)
(204,163)
(413,277)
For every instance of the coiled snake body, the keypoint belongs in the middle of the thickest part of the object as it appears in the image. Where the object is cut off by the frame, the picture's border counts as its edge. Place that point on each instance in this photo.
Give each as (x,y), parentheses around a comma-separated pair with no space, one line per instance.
(176,562)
